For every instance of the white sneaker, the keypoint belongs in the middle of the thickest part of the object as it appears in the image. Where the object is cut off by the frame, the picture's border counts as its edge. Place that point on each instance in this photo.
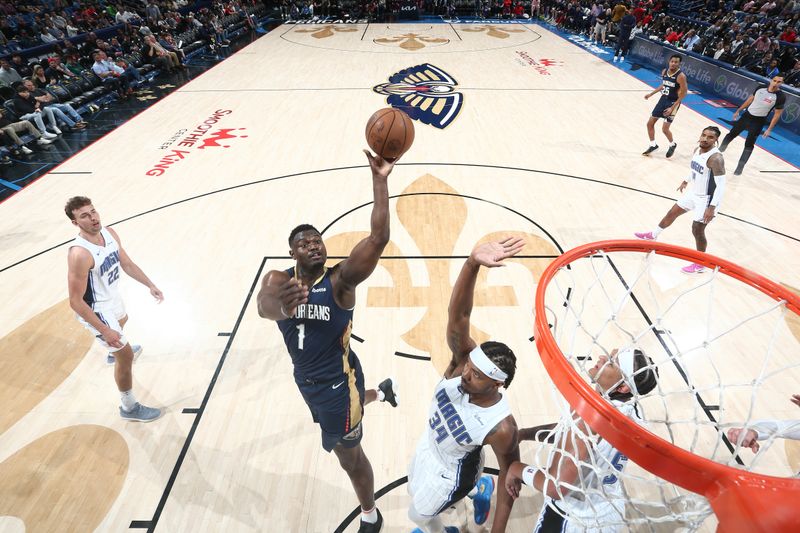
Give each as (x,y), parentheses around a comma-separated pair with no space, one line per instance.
(615,59)
(621,59)
(44,140)
(57,131)
(48,135)
(25,150)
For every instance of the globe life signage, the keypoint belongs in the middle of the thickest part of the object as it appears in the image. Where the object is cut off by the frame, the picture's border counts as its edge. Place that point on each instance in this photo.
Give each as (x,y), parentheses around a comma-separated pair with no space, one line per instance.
(714,77)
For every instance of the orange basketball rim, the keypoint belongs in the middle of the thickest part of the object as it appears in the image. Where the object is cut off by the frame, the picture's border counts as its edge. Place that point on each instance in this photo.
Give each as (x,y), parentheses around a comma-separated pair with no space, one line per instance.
(744,502)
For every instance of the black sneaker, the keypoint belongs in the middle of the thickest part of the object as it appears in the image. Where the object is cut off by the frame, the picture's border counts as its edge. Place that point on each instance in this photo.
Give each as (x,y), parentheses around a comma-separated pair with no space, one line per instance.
(650,150)
(366,527)
(389,388)
(671,149)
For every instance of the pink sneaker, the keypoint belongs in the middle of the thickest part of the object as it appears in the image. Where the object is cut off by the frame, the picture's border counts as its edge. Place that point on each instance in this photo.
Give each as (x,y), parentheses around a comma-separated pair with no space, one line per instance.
(648,236)
(694,268)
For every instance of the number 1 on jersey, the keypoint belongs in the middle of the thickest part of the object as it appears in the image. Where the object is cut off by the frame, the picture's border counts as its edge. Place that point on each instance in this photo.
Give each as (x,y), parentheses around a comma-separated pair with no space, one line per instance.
(301,333)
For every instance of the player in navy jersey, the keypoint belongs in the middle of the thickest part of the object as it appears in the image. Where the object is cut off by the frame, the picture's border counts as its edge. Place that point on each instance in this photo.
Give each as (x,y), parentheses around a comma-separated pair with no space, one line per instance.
(313,307)
(673,89)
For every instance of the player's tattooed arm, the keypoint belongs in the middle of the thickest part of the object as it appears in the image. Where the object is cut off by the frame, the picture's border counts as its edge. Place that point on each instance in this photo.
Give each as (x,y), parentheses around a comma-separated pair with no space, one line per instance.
(717,164)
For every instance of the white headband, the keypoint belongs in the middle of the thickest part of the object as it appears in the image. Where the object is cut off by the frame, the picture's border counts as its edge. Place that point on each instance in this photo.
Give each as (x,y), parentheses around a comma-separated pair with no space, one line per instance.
(485,365)
(625,363)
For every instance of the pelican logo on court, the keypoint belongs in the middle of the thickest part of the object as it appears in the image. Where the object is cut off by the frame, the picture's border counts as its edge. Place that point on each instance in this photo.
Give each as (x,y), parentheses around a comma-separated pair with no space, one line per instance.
(494,31)
(222,134)
(719,85)
(426,93)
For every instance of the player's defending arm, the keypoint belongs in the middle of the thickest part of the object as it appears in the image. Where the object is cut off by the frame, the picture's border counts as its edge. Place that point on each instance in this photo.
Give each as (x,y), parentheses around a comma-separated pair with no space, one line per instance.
(717,165)
(763,429)
(489,254)
(79,262)
(365,255)
(504,440)
(563,470)
(133,270)
(541,433)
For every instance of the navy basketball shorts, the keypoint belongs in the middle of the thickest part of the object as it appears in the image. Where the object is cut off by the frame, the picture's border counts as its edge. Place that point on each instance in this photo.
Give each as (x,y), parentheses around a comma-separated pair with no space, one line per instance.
(661,106)
(337,405)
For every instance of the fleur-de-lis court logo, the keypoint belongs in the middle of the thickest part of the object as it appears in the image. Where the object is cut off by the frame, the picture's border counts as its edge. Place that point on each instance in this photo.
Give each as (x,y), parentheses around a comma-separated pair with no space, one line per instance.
(495,31)
(435,215)
(324,32)
(411,41)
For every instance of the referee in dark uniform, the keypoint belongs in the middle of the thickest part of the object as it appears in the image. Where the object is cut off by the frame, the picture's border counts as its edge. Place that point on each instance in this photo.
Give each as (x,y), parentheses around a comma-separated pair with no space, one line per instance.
(758,105)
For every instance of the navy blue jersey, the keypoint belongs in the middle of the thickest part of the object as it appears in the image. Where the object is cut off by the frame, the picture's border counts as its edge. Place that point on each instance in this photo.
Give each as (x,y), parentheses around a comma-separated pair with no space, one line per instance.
(318,335)
(670,85)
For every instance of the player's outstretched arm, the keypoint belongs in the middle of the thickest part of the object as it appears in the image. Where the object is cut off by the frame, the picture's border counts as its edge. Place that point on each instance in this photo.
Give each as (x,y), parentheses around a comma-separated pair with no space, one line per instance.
(280,295)
(541,433)
(504,440)
(364,257)
(490,254)
(133,270)
(563,470)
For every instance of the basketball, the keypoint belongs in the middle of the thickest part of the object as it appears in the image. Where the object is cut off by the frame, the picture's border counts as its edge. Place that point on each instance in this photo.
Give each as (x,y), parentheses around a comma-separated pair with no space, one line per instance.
(390,133)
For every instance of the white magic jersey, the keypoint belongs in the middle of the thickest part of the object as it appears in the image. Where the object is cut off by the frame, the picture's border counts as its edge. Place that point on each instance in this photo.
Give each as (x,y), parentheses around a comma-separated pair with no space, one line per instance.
(702,177)
(457,427)
(102,287)
(600,494)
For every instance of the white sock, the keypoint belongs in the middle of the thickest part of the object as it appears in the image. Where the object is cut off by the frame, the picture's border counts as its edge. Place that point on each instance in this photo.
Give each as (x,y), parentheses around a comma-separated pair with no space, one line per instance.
(657,231)
(369,517)
(381,395)
(473,492)
(653,143)
(673,143)
(128,400)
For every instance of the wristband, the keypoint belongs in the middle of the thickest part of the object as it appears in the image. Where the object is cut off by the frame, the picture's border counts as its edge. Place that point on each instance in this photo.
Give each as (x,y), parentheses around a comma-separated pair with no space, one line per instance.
(527,475)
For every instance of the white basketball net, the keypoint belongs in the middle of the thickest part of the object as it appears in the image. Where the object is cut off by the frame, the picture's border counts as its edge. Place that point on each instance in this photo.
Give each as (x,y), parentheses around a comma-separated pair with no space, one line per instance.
(726,354)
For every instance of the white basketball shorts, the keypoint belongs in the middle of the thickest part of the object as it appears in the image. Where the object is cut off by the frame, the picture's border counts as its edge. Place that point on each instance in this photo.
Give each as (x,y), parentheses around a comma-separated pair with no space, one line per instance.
(696,203)
(109,313)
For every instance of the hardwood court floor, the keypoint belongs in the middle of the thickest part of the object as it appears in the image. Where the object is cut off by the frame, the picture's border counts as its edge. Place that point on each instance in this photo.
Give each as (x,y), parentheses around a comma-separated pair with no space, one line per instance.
(203,189)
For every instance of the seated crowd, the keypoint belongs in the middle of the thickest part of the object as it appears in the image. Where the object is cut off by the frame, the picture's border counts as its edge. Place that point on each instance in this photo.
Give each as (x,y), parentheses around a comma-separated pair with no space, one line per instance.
(46,45)
(758,36)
